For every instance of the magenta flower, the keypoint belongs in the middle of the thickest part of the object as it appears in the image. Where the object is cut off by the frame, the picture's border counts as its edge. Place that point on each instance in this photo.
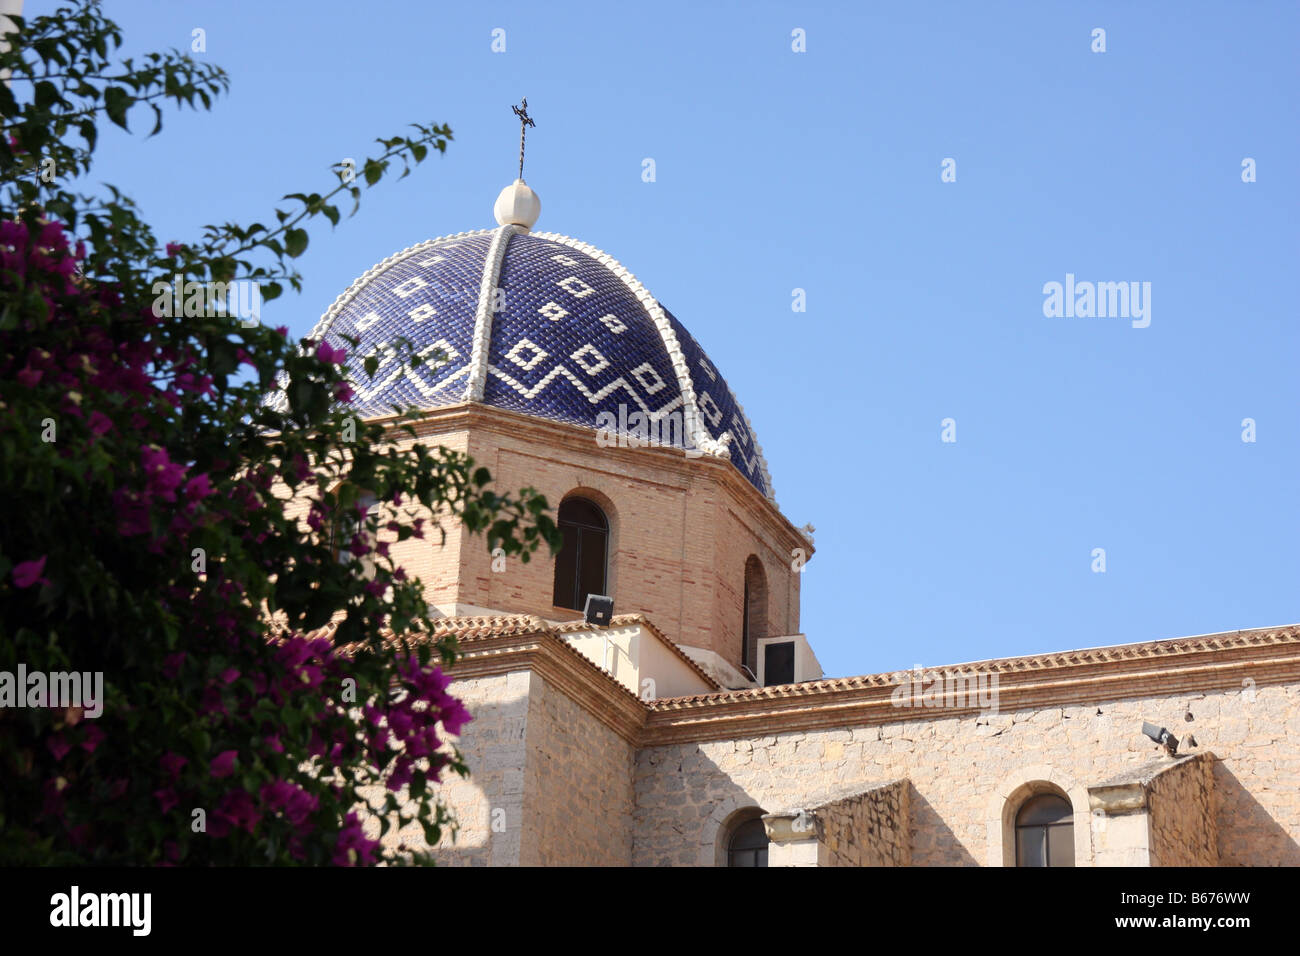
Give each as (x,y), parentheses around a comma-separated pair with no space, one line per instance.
(454,715)
(334,356)
(301,805)
(400,722)
(58,746)
(237,807)
(211,702)
(175,248)
(28,377)
(90,738)
(164,474)
(172,764)
(353,847)
(401,775)
(29,573)
(218,825)
(223,764)
(276,794)
(166,798)
(132,513)
(200,486)
(172,665)
(100,424)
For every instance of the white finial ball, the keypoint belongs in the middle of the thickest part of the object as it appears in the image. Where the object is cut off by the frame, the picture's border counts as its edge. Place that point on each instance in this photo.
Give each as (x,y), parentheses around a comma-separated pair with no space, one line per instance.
(517,205)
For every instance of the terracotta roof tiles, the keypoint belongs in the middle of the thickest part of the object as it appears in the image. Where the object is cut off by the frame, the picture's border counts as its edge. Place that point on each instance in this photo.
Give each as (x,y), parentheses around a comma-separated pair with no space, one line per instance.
(1092,656)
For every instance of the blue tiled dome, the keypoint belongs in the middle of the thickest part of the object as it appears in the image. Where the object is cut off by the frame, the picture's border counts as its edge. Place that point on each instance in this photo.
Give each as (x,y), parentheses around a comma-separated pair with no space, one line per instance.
(540,324)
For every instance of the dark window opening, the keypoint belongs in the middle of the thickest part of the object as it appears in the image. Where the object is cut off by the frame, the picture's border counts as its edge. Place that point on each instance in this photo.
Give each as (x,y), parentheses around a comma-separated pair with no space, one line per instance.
(1045,832)
(744,629)
(581,564)
(753,624)
(748,846)
(778,663)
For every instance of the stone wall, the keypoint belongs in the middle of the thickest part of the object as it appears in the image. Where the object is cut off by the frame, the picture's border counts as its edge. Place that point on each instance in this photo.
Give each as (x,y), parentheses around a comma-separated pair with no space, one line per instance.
(489,804)
(1181,803)
(578,786)
(1121,839)
(866,829)
(549,784)
(958,766)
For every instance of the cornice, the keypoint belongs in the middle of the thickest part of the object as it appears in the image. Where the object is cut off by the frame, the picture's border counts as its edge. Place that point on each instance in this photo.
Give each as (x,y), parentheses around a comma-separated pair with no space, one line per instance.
(1096,676)
(556,436)
(492,646)
(530,644)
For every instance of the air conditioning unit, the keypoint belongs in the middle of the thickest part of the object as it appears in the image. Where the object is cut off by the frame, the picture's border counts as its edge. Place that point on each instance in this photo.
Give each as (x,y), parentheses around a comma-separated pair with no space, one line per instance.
(786,660)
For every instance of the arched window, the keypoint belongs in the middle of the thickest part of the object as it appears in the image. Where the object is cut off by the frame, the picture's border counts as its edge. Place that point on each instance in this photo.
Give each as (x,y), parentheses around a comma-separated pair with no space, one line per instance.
(581,564)
(754,624)
(1045,831)
(748,844)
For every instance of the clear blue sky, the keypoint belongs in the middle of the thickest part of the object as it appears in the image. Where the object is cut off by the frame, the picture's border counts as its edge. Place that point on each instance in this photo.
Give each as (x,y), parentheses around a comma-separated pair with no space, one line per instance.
(821,171)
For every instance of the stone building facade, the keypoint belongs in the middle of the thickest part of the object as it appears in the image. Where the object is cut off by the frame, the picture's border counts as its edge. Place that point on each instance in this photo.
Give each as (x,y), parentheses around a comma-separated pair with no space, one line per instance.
(842,778)
(696,721)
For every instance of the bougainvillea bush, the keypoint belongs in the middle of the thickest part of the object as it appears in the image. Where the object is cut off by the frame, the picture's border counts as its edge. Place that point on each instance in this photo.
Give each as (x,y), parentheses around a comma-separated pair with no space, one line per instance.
(257,690)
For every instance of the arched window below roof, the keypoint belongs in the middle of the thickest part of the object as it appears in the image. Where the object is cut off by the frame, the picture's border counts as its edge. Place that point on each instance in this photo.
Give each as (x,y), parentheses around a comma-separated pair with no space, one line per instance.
(1045,831)
(581,566)
(747,845)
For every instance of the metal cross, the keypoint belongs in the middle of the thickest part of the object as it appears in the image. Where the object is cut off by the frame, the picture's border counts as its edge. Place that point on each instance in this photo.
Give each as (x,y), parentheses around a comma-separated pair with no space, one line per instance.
(525,121)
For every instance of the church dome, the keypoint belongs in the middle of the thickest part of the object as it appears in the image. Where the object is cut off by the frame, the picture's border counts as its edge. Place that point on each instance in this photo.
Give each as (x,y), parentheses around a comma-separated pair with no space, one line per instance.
(541,324)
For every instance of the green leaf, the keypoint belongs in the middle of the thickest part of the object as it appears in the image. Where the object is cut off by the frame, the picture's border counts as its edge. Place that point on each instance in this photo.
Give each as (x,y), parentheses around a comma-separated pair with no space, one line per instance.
(46,94)
(88,132)
(117,101)
(295,242)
